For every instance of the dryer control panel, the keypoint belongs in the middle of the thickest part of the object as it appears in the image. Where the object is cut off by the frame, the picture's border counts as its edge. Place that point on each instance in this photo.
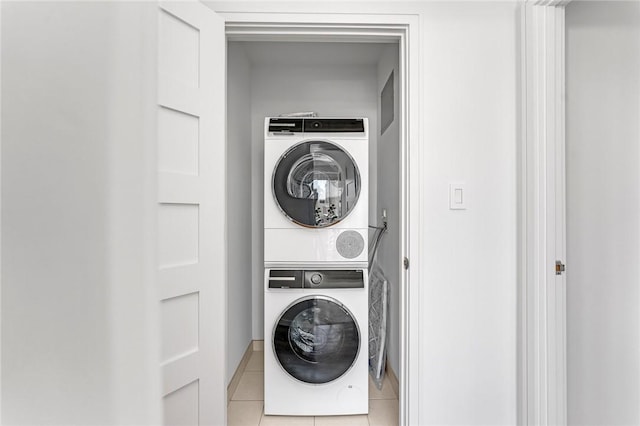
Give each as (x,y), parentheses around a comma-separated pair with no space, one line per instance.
(316,125)
(321,278)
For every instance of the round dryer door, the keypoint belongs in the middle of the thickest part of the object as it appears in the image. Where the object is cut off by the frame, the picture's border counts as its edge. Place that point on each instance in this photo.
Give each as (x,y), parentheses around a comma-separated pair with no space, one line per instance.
(316,340)
(316,184)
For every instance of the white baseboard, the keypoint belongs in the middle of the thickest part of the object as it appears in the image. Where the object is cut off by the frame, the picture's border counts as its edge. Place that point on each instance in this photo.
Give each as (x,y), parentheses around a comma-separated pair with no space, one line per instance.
(393,380)
(235,380)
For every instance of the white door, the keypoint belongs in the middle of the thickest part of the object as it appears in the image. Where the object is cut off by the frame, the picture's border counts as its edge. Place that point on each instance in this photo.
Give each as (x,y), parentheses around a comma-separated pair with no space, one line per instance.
(191,212)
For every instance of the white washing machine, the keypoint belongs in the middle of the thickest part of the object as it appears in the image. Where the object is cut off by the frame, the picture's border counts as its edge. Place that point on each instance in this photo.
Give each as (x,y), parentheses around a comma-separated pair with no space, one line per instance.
(316,342)
(316,192)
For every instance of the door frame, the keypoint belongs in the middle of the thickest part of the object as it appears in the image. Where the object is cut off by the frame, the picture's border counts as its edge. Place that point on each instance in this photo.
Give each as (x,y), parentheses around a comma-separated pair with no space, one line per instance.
(542,364)
(356,27)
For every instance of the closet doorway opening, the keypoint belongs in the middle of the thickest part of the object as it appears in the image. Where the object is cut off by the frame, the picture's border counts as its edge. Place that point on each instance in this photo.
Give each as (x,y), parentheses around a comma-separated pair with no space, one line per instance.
(342,66)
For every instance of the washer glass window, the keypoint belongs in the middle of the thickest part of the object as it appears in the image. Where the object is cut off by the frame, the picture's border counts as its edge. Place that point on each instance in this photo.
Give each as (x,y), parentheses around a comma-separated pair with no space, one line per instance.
(316,184)
(316,340)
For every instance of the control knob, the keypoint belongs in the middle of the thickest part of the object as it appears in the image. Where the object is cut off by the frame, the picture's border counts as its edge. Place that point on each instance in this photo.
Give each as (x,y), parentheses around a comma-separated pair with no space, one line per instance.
(316,279)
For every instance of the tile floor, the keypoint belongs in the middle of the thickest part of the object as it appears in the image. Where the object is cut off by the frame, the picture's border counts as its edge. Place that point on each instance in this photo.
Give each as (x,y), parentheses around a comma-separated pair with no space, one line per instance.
(247,403)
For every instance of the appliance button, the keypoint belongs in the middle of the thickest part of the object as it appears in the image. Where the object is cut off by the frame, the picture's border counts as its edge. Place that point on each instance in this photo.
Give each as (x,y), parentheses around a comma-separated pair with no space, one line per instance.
(316,279)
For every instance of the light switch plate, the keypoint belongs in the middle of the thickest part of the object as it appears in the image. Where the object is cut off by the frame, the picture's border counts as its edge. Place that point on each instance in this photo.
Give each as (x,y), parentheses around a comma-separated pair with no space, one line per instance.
(457,196)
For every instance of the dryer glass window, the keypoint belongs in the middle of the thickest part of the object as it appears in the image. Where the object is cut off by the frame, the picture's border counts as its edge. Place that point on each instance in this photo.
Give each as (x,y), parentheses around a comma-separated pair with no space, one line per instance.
(316,340)
(316,184)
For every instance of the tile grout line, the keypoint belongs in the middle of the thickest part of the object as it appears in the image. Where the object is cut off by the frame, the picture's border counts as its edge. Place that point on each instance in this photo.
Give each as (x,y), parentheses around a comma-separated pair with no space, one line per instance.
(254,373)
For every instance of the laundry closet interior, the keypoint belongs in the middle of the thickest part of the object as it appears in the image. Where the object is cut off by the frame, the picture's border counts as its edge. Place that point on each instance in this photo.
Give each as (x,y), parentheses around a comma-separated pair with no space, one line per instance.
(332,77)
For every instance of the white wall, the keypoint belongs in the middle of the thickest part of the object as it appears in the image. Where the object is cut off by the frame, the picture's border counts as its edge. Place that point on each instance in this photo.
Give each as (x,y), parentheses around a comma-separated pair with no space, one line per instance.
(330,90)
(603,212)
(239,213)
(388,257)
(79,344)
(468,294)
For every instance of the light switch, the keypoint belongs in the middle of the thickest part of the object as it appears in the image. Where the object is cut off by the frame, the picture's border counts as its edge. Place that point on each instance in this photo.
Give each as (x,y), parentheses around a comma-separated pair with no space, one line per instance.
(457,196)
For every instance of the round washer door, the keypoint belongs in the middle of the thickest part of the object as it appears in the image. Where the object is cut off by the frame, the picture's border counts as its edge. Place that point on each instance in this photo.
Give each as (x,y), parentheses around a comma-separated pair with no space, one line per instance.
(316,340)
(316,183)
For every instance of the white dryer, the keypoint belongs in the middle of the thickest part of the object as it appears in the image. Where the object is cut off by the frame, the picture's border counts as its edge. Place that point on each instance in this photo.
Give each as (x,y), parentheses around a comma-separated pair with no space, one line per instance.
(316,342)
(316,192)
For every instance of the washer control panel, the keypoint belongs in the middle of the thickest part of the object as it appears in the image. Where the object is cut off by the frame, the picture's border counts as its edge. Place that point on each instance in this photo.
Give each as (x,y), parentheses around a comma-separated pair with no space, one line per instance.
(330,278)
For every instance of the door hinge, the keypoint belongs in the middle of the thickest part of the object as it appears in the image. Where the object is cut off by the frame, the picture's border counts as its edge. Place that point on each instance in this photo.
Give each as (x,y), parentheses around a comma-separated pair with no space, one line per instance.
(560,267)
(406,263)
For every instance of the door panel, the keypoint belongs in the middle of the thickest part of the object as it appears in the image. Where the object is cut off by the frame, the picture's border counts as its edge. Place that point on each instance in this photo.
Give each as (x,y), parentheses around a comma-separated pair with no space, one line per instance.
(191,182)
(181,405)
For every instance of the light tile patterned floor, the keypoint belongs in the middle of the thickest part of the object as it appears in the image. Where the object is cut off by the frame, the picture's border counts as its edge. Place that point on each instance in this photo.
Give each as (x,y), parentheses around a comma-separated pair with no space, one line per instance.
(247,404)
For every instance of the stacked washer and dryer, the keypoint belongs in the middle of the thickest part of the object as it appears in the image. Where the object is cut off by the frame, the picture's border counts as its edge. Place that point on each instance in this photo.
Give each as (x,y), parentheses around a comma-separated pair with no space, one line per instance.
(315,253)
